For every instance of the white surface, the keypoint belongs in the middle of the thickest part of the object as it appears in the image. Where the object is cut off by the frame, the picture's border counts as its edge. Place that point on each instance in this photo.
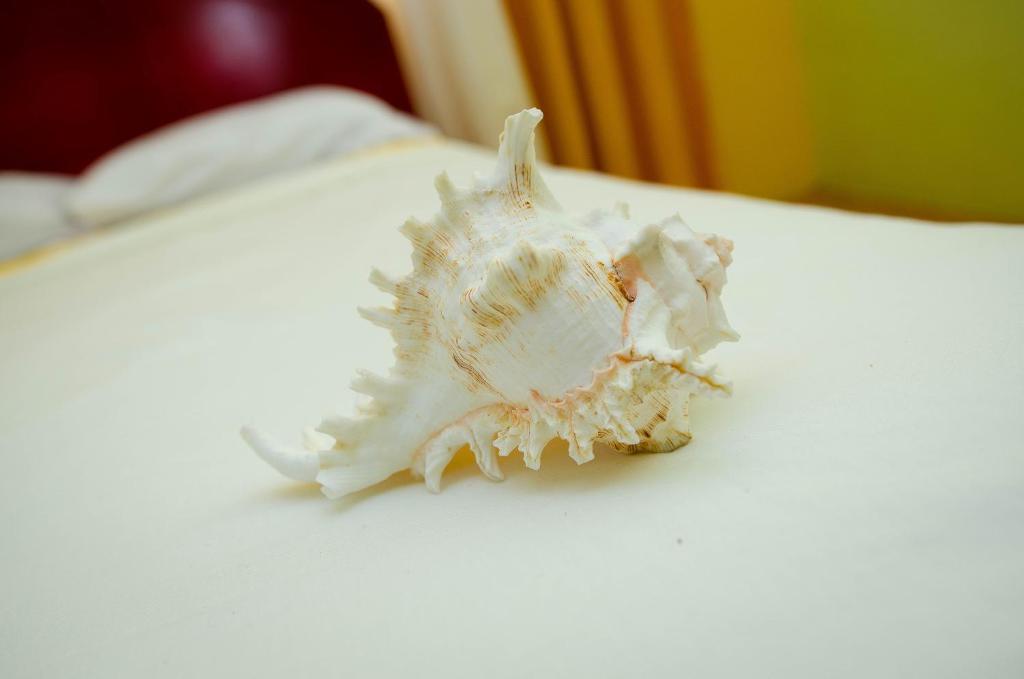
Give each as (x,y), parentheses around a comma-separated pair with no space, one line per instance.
(32,211)
(854,510)
(233,145)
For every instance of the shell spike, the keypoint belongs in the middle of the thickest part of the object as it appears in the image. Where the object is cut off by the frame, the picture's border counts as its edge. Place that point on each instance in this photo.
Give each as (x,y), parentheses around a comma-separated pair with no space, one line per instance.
(315,441)
(517,172)
(383,282)
(439,453)
(482,445)
(379,316)
(445,188)
(415,231)
(301,465)
(581,441)
(541,434)
(487,461)
(380,388)
(342,480)
(340,427)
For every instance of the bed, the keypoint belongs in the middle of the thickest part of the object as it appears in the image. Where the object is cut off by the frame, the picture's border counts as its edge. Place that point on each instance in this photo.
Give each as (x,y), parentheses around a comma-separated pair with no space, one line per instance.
(854,510)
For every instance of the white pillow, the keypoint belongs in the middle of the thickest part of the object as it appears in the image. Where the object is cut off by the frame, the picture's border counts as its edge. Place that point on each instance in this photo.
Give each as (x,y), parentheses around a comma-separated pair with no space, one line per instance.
(32,211)
(232,146)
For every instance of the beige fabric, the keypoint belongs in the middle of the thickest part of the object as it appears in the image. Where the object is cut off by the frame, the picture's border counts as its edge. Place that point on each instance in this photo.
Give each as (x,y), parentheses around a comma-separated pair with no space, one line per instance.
(854,510)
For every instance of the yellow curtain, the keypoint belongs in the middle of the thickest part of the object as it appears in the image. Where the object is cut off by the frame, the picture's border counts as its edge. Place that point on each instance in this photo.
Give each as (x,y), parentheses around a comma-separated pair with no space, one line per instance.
(689,92)
(908,108)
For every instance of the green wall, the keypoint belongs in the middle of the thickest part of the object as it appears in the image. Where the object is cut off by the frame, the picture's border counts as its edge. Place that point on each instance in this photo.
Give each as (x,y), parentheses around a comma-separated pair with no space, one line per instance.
(918,104)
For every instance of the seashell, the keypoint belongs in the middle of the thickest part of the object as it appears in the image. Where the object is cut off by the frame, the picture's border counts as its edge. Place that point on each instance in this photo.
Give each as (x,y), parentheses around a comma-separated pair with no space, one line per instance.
(520,324)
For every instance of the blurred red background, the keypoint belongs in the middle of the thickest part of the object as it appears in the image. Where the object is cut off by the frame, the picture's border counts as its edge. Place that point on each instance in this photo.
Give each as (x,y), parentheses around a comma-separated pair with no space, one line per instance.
(80,77)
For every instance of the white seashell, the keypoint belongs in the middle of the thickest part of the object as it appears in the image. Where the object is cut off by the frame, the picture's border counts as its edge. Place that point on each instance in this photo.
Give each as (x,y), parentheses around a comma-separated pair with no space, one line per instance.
(520,324)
